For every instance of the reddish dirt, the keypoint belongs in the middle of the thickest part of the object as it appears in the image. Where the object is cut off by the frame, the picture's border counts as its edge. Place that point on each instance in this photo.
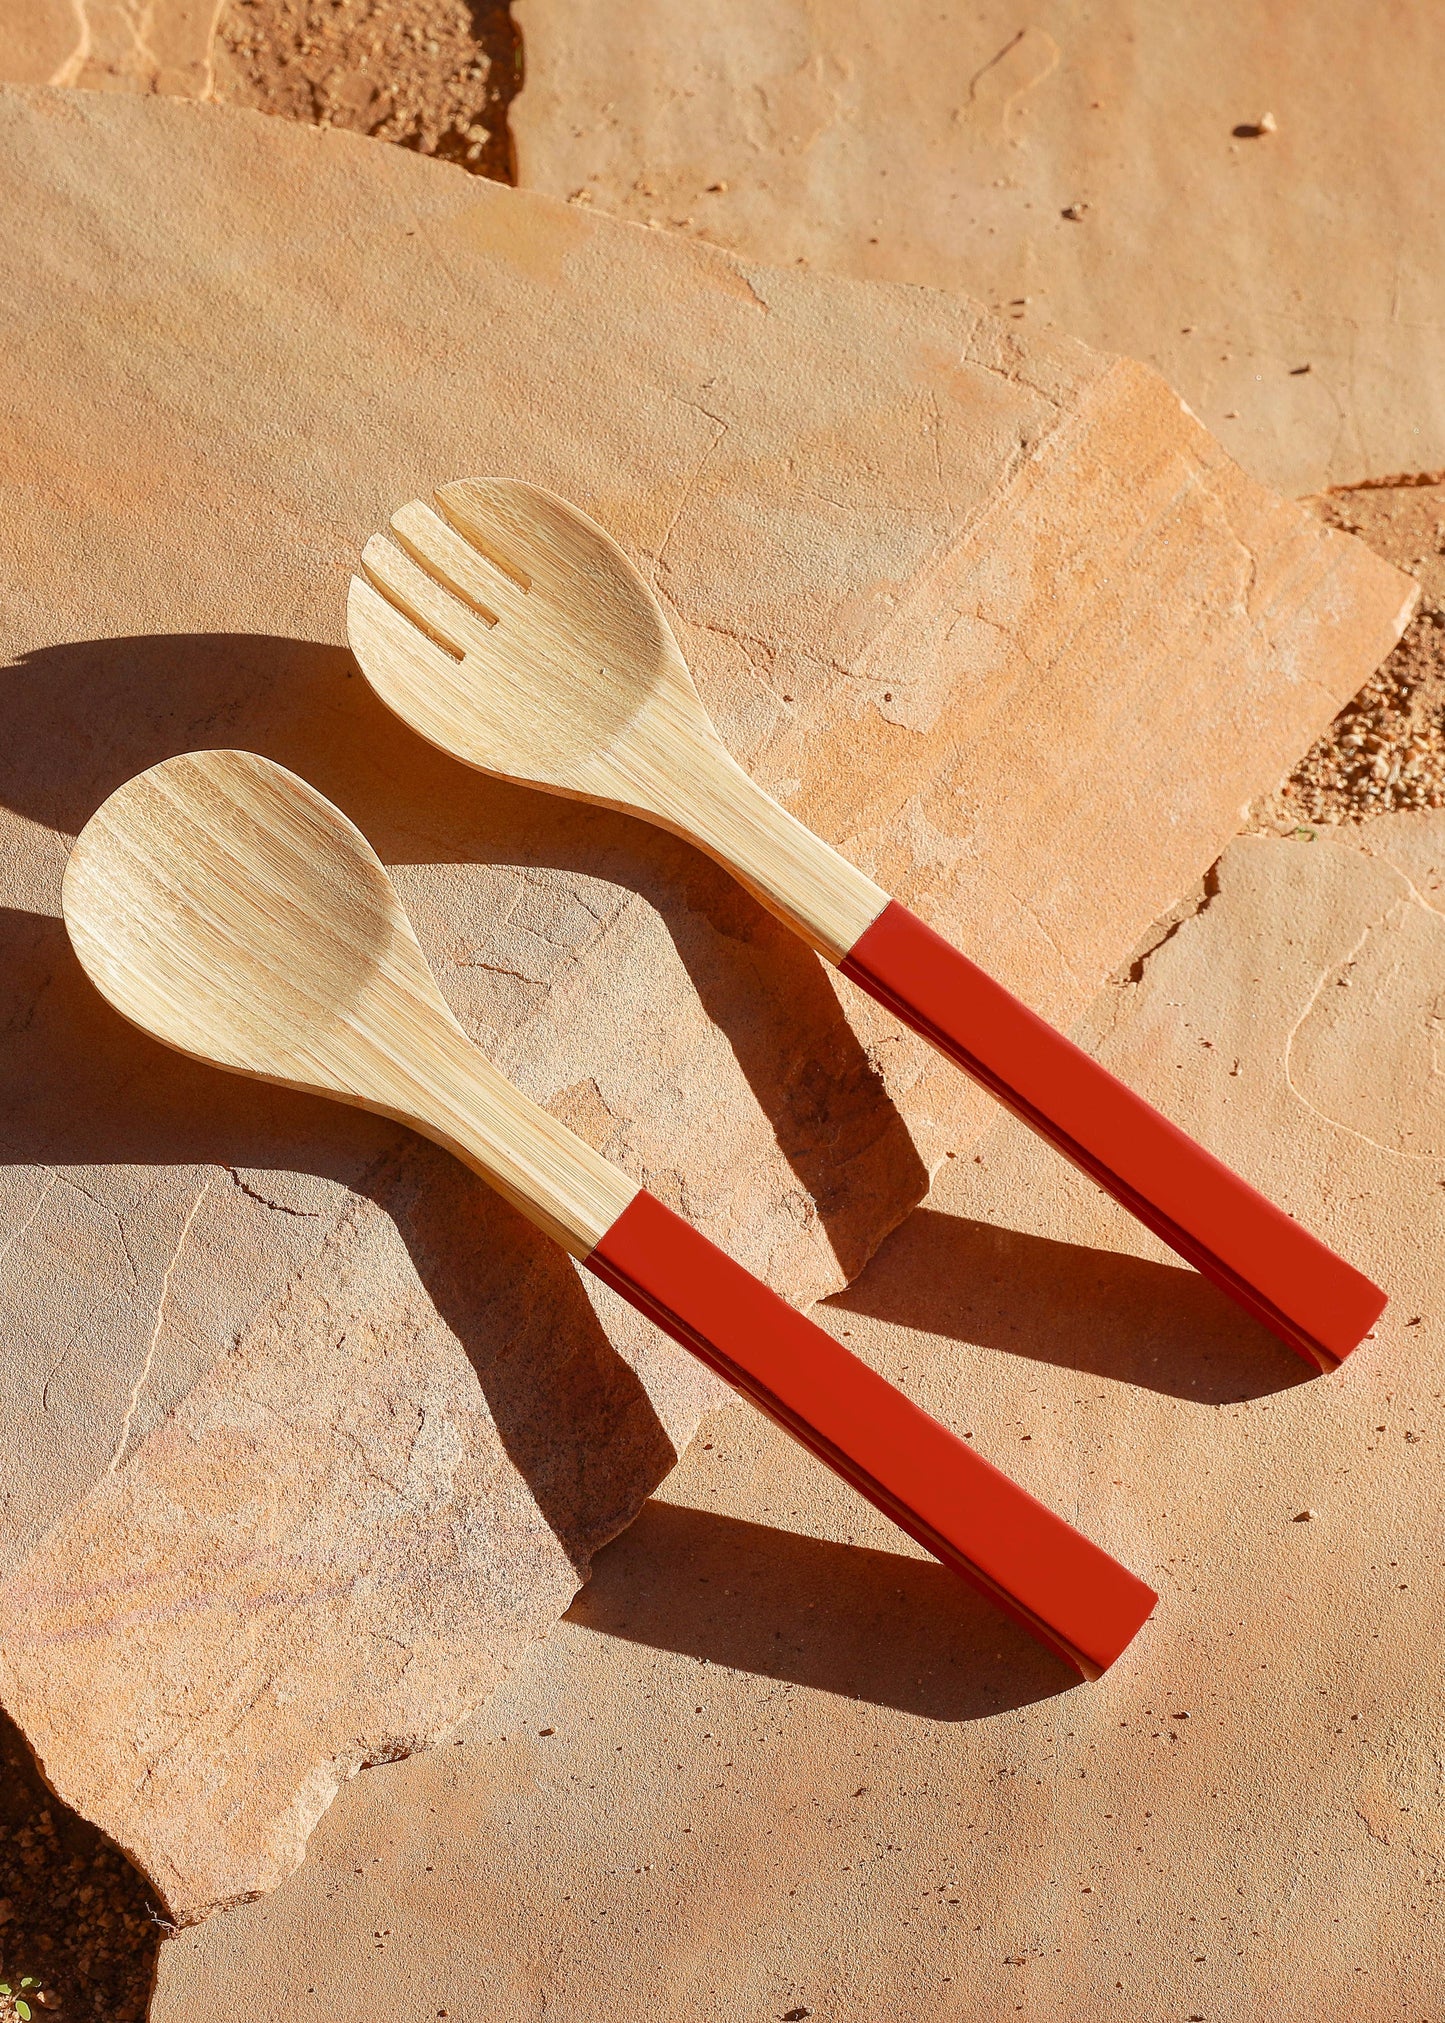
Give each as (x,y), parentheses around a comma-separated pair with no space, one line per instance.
(434,75)
(1386,749)
(74,1915)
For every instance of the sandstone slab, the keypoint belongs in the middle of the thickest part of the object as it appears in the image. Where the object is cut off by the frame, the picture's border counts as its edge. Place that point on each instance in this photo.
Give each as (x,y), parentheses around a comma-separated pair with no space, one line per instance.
(111,45)
(305,1436)
(1104,169)
(774,1761)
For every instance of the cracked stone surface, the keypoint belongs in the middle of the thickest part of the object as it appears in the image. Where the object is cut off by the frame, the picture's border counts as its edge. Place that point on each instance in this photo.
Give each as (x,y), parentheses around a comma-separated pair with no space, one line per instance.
(1105,169)
(112,45)
(305,1436)
(773,1760)
(1201,188)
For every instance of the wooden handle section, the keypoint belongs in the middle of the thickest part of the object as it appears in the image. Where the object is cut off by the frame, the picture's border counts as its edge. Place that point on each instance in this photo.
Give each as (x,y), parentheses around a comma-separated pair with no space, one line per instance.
(1285,1277)
(1037,1568)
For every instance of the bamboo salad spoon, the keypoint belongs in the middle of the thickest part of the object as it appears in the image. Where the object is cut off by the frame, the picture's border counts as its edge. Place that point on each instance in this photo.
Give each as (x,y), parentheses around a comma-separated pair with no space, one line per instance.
(510,630)
(225,907)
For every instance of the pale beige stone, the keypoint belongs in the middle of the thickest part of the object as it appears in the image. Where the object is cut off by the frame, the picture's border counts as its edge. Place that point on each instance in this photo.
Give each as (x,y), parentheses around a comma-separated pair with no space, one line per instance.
(38,40)
(111,45)
(773,1760)
(993,613)
(1083,159)
(1079,169)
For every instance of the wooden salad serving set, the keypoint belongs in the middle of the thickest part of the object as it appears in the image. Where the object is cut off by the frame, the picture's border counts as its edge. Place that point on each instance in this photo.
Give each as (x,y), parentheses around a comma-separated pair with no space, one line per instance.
(226,907)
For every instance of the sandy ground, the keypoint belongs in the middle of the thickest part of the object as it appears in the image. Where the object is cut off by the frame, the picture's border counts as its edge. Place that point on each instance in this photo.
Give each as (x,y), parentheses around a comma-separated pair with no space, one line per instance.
(73,1912)
(434,75)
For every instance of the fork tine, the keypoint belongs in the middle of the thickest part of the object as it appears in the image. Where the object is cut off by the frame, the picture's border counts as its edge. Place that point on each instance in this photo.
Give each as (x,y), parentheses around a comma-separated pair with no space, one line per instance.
(454,562)
(391,650)
(421,598)
(484,511)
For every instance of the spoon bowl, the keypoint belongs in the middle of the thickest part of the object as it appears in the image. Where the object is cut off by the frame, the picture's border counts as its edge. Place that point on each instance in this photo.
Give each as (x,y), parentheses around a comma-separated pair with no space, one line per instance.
(226,907)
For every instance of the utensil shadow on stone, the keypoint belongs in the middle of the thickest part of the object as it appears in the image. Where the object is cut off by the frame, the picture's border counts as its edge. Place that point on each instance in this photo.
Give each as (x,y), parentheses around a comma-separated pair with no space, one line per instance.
(82,718)
(868,1625)
(81,1087)
(574,1416)
(1101,1312)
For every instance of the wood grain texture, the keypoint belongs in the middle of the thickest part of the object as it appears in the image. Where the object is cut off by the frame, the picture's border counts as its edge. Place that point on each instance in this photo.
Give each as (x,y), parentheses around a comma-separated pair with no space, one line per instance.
(922,566)
(514,633)
(230,910)
(223,905)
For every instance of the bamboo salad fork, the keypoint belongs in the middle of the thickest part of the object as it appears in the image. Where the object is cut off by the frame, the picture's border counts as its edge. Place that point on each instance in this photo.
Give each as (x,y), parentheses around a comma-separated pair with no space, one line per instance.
(507,628)
(227,908)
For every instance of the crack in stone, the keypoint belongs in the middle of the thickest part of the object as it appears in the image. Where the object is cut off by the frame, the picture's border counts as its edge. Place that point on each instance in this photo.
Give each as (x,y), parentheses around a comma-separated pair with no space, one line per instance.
(143,1379)
(67,72)
(281,1207)
(1193,908)
(1014,71)
(1396,908)
(505,969)
(1381,857)
(692,481)
(114,1213)
(1037,918)
(17,1234)
(50,1379)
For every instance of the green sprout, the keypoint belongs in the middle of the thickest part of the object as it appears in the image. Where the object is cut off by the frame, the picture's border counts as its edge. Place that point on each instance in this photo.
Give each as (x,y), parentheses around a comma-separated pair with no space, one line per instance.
(16,1996)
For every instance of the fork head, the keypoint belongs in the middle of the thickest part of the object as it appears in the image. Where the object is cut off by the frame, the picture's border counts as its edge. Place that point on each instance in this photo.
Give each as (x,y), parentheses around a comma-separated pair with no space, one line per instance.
(509,629)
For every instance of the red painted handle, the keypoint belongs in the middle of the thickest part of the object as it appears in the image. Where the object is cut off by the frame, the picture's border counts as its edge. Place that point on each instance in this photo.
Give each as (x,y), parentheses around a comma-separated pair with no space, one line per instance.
(1035,1566)
(1287,1278)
